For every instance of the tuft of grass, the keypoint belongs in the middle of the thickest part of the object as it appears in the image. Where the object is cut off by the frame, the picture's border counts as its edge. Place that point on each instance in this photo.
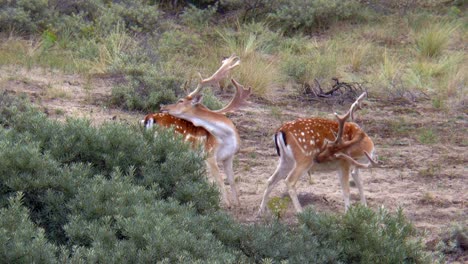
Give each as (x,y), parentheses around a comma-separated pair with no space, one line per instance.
(59,111)
(390,67)
(433,40)
(358,57)
(259,73)
(453,85)
(319,63)
(258,69)
(428,198)
(278,206)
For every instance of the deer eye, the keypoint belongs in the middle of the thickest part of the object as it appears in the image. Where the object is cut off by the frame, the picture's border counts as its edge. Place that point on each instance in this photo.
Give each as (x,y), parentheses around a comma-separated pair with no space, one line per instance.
(180,101)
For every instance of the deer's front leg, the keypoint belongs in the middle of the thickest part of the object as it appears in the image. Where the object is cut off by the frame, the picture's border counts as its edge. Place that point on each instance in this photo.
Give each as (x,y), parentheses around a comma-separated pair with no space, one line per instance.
(214,171)
(344,172)
(230,177)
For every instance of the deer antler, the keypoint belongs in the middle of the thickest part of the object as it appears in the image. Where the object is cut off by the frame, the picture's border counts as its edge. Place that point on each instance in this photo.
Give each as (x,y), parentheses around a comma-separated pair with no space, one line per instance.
(334,149)
(239,98)
(356,163)
(342,118)
(226,66)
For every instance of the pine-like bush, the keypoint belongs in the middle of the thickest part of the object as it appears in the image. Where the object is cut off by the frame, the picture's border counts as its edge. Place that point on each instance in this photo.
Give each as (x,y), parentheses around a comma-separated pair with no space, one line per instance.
(72,192)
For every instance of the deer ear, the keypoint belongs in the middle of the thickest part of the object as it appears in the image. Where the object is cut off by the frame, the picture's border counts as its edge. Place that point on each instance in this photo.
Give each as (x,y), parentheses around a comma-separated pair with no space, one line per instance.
(197,99)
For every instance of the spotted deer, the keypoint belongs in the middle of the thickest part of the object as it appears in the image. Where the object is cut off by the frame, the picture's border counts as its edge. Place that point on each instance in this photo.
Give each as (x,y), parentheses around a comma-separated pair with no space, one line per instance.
(222,137)
(320,144)
(190,133)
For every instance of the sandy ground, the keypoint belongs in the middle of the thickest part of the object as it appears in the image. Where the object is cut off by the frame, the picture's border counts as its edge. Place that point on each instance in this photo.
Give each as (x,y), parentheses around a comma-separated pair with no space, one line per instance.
(429,181)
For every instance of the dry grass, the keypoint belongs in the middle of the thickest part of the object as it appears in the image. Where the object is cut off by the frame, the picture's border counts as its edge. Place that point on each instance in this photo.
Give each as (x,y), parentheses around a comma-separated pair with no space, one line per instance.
(54,92)
(33,52)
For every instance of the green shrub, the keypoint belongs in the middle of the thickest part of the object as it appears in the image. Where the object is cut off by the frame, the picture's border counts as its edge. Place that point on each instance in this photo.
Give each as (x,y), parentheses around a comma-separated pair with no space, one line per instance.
(140,15)
(146,91)
(71,192)
(24,16)
(365,236)
(21,241)
(103,149)
(303,69)
(198,18)
(306,16)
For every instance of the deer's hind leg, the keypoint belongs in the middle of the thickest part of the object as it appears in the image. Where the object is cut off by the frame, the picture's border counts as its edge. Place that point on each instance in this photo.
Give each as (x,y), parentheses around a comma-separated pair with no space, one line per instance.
(344,171)
(227,164)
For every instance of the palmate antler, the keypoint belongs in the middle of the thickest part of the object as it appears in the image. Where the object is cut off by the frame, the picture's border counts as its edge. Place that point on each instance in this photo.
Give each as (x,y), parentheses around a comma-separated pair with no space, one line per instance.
(223,71)
(338,148)
(239,98)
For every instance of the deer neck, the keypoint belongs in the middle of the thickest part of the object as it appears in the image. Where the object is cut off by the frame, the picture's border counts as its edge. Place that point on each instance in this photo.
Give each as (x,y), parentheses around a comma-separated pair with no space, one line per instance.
(217,124)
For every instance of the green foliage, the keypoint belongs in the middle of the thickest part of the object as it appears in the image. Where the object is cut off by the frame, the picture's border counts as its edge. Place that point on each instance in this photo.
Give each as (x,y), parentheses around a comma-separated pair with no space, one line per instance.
(303,69)
(198,18)
(148,82)
(309,15)
(71,192)
(25,16)
(30,16)
(278,206)
(365,236)
(211,101)
(455,240)
(21,241)
(428,136)
(146,91)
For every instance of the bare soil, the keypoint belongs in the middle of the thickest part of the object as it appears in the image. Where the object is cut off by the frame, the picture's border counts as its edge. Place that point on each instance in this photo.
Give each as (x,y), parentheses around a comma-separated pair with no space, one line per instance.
(422,150)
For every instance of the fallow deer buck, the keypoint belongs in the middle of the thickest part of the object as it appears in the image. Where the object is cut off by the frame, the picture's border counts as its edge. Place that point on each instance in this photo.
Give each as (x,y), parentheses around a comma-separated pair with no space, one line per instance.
(320,144)
(222,138)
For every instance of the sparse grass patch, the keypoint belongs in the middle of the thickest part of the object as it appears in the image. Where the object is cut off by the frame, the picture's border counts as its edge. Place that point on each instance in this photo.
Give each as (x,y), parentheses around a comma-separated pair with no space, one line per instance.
(433,170)
(389,31)
(452,86)
(428,137)
(386,77)
(275,111)
(34,52)
(358,56)
(400,126)
(53,92)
